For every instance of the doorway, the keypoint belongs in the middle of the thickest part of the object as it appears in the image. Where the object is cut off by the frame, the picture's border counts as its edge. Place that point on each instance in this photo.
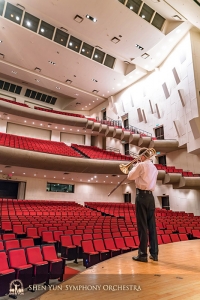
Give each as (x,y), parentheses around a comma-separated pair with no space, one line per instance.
(165,202)
(127,197)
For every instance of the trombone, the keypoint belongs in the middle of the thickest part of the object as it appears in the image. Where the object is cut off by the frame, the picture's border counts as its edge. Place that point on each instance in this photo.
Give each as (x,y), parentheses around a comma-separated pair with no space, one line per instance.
(148,153)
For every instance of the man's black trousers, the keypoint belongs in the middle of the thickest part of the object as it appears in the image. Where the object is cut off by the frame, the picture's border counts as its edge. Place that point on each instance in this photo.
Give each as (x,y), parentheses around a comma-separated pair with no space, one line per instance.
(145,214)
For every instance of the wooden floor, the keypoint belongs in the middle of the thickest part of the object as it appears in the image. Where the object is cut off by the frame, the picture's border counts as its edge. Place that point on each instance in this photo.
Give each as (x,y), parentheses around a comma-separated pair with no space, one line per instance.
(175,276)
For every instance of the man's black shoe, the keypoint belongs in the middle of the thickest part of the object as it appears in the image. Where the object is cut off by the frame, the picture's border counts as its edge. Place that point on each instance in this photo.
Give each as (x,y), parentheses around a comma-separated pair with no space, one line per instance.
(153,257)
(140,258)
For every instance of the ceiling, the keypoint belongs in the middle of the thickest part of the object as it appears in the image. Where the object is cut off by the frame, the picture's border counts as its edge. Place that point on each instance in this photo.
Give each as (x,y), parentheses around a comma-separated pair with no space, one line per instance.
(25,50)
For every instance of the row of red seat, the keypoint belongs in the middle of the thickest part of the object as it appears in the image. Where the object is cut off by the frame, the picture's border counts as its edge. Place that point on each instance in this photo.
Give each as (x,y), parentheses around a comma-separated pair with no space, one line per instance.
(14,102)
(172,169)
(32,144)
(59,112)
(31,265)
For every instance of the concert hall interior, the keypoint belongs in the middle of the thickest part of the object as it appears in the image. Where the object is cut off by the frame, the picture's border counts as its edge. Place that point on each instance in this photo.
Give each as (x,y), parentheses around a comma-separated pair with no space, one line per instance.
(84,85)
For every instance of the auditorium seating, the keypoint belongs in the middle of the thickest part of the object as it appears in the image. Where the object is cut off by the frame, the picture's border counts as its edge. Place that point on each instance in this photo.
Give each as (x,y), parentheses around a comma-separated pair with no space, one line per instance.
(59,112)
(97,153)
(6,274)
(38,145)
(14,102)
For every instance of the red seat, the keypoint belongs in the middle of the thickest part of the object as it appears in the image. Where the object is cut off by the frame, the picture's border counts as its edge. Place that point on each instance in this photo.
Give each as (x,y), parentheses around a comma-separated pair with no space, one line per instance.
(8,236)
(6,275)
(100,247)
(56,265)
(11,244)
(47,237)
(18,230)
(110,245)
(68,250)
(40,267)
(17,261)
(166,238)
(130,242)
(6,226)
(119,242)
(90,256)
(183,236)
(174,237)
(26,243)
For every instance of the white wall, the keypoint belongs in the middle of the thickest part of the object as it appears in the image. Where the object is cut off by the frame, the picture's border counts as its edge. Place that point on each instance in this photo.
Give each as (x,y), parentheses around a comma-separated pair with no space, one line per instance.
(28,131)
(171,109)
(69,138)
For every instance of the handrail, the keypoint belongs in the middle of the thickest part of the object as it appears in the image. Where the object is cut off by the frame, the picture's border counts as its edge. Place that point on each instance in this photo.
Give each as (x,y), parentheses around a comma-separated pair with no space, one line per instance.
(113,149)
(136,130)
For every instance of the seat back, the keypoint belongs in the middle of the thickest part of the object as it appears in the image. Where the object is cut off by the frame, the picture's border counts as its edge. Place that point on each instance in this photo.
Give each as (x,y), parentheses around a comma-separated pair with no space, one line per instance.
(8,236)
(119,242)
(87,246)
(174,237)
(166,238)
(97,236)
(66,240)
(34,255)
(11,244)
(129,241)
(31,231)
(1,246)
(17,228)
(47,235)
(76,240)
(26,243)
(40,229)
(109,243)
(98,244)
(87,236)
(17,258)
(57,234)
(49,252)
(183,236)
(4,261)
(6,225)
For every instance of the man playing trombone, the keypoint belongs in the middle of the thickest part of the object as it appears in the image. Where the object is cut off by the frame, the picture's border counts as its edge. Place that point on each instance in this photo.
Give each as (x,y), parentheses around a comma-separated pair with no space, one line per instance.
(145,176)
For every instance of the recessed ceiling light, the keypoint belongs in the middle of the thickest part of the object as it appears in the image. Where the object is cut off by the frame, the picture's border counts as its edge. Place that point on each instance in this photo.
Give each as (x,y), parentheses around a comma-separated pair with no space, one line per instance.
(42,29)
(34,174)
(70,129)
(51,62)
(94,80)
(33,123)
(139,47)
(14,72)
(40,124)
(54,176)
(45,176)
(1,41)
(70,44)
(24,173)
(17,18)
(56,127)
(57,87)
(28,23)
(37,80)
(91,18)
(143,16)
(63,128)
(131,7)
(68,81)
(76,94)
(24,121)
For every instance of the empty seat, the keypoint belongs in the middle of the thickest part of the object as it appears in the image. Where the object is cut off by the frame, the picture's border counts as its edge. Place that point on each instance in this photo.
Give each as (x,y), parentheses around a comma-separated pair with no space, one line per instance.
(8,236)
(19,231)
(100,247)
(130,242)
(6,226)
(90,256)
(47,237)
(183,236)
(17,261)
(68,250)
(40,267)
(110,245)
(174,237)
(166,238)
(11,244)
(26,243)
(119,242)
(6,275)
(56,265)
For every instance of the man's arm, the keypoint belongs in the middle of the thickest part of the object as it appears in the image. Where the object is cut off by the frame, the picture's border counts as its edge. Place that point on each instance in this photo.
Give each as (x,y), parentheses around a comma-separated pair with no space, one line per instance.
(135,172)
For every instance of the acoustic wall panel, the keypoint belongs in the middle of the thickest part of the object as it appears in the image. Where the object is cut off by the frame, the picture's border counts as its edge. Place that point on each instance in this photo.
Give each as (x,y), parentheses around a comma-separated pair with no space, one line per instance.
(140,116)
(165,90)
(182,57)
(144,116)
(176,77)
(151,106)
(182,96)
(157,110)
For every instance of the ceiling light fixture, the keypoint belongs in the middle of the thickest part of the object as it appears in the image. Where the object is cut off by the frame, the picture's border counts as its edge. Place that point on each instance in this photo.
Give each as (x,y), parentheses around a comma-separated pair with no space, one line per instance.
(63,28)
(14,72)
(78,19)
(95,91)
(145,55)
(115,40)
(37,70)
(51,62)
(68,81)
(94,80)
(57,87)
(1,41)
(2,56)
(37,80)
(91,18)
(139,47)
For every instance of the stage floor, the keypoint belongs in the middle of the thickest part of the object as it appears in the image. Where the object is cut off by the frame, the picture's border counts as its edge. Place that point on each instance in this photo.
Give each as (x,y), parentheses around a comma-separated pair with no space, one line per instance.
(175,276)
